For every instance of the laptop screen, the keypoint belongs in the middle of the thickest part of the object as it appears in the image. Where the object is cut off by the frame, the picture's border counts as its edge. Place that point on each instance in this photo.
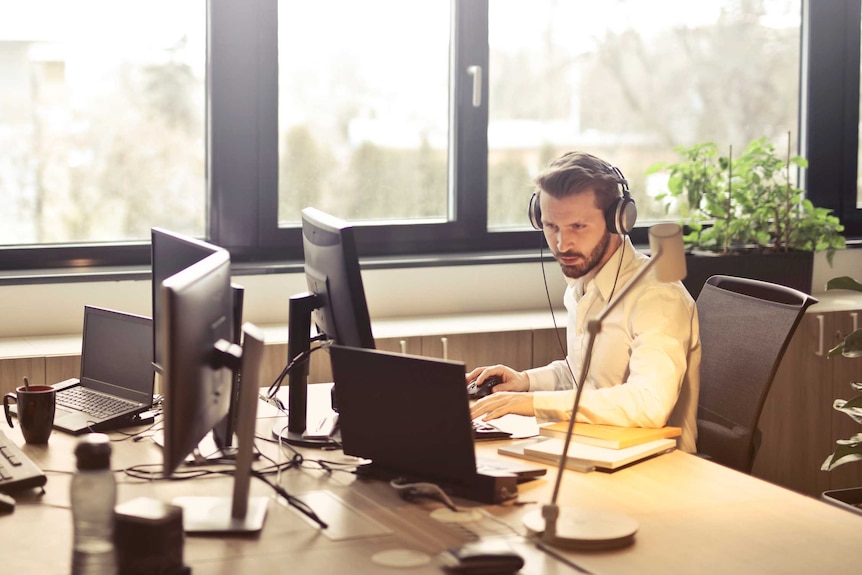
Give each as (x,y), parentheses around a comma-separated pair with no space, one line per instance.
(409,415)
(117,354)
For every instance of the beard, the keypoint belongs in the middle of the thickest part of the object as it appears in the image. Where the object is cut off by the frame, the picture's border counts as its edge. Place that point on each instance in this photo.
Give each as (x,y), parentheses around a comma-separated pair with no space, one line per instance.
(588,262)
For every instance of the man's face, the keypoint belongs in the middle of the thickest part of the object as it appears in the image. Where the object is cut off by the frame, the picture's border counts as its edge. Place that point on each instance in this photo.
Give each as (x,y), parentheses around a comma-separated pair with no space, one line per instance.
(576,232)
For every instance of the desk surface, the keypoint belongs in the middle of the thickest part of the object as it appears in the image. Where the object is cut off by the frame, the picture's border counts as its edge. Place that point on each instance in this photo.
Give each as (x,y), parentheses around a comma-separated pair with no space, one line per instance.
(695,517)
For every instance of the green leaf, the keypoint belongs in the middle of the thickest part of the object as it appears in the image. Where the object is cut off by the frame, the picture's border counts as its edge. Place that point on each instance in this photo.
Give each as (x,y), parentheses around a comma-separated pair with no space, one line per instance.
(846,451)
(851,346)
(844,282)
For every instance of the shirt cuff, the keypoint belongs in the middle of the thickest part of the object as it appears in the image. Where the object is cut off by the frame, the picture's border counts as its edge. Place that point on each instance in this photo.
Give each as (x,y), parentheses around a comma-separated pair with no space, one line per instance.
(553,405)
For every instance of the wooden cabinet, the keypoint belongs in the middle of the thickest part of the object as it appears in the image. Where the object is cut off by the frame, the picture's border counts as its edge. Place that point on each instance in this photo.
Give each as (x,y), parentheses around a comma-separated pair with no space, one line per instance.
(548,345)
(798,425)
(62,367)
(512,348)
(13,371)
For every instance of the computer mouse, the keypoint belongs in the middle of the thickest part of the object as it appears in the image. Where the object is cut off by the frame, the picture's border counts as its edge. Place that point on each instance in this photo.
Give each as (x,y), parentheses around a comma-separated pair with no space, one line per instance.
(7,503)
(485,556)
(479,391)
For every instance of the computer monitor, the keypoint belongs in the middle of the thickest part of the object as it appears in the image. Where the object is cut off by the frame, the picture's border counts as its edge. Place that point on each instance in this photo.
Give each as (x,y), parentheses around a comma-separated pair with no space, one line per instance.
(335,302)
(173,252)
(199,360)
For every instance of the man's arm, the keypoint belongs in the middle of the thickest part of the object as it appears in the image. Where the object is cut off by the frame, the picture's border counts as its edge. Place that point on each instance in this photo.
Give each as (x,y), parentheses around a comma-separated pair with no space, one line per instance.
(661,325)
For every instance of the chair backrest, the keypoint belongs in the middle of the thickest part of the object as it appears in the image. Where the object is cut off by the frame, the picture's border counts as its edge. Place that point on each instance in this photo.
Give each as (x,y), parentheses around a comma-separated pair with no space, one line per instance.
(745,326)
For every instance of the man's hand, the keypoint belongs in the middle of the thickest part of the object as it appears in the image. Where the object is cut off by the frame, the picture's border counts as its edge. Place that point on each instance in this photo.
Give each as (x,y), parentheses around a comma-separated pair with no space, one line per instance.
(511,380)
(501,403)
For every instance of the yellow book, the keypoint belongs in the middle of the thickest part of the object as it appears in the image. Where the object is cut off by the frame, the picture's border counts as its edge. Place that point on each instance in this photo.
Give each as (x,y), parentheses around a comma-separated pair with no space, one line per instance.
(609,436)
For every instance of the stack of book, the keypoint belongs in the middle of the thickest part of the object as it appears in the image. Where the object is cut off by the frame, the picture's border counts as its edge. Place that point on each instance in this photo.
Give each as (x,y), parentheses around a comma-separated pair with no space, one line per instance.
(594,446)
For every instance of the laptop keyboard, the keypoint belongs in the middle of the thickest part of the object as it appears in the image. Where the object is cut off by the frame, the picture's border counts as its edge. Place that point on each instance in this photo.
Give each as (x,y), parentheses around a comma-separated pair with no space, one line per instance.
(95,404)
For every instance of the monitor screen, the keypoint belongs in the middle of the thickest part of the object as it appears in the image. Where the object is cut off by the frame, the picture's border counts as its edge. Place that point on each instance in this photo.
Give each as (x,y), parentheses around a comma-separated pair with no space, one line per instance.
(333,275)
(116,356)
(195,316)
(170,253)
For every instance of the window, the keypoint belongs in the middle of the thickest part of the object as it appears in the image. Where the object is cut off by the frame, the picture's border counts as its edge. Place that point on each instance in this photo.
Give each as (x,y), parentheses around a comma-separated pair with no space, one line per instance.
(426,133)
(363,109)
(101,120)
(629,81)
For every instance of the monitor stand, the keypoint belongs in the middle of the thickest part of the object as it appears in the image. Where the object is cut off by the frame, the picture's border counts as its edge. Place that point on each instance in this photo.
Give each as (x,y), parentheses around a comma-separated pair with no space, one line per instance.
(238,513)
(296,430)
(325,434)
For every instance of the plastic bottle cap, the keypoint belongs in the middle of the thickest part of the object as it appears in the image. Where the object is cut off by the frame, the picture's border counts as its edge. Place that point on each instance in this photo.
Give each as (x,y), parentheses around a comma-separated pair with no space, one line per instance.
(94,452)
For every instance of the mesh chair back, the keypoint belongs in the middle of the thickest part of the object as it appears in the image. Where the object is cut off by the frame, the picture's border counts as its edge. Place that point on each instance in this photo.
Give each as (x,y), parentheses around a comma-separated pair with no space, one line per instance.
(745,326)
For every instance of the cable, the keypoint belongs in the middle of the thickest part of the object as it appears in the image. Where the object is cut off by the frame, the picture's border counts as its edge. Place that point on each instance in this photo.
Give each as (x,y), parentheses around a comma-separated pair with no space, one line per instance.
(298,504)
(619,267)
(410,491)
(300,358)
(551,308)
(576,384)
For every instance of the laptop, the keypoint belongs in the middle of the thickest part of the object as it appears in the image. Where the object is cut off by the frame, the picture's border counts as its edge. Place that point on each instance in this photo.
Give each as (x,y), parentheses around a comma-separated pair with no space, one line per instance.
(117,374)
(410,416)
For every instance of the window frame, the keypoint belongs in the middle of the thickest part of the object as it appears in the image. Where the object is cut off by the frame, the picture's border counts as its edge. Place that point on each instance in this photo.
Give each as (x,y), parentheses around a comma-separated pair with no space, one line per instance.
(829,107)
(242,146)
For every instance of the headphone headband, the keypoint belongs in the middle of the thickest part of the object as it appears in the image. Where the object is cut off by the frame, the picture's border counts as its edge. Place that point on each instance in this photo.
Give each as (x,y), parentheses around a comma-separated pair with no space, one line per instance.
(620,216)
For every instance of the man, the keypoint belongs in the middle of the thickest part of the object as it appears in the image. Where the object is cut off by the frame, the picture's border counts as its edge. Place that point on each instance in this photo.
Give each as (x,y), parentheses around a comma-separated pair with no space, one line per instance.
(646,360)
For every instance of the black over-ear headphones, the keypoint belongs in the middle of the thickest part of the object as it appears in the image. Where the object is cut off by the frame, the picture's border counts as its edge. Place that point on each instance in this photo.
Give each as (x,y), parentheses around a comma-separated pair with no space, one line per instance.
(620,216)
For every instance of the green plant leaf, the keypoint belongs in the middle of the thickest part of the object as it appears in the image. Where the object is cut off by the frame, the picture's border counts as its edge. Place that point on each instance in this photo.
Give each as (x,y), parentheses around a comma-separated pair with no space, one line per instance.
(852,408)
(851,346)
(844,453)
(843,282)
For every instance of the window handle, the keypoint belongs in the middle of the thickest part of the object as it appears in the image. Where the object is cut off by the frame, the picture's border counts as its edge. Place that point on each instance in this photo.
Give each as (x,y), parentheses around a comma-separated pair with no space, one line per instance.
(403,343)
(445,342)
(476,72)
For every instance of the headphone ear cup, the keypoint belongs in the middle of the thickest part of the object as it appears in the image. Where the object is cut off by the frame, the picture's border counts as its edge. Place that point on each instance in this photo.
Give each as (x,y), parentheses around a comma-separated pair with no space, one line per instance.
(622,215)
(534,212)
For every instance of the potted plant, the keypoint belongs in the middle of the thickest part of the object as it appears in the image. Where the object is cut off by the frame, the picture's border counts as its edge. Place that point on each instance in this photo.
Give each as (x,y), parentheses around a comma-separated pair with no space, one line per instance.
(747,205)
(850,449)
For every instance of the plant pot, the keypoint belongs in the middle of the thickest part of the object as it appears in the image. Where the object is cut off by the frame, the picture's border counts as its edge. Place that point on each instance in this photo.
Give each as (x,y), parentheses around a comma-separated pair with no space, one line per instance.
(792,269)
(849,499)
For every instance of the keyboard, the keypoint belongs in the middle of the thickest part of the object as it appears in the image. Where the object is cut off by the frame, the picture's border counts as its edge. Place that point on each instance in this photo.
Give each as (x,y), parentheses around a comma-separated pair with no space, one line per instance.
(95,404)
(483,431)
(17,470)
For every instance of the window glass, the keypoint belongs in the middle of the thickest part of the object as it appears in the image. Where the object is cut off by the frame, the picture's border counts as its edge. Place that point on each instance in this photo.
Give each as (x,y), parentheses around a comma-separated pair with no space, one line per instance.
(629,81)
(101,119)
(363,108)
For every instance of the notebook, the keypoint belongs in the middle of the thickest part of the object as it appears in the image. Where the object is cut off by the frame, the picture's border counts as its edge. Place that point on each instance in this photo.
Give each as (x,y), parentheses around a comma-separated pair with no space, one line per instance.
(116,370)
(410,416)
(610,436)
(583,457)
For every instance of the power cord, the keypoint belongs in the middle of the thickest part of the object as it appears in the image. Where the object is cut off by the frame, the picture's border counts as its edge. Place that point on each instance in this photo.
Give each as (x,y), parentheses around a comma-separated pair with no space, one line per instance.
(298,504)
(411,491)
(299,359)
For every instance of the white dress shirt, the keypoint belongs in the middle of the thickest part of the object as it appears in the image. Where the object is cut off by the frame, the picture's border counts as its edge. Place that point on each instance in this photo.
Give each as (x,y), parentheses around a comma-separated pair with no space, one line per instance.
(645,368)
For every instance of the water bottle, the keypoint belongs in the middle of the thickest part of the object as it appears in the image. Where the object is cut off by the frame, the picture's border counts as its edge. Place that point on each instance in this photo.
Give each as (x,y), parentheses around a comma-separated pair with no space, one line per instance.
(93,496)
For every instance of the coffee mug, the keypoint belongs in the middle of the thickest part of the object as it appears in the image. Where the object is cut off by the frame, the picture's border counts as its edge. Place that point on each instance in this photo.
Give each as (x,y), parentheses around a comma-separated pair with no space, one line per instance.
(36,406)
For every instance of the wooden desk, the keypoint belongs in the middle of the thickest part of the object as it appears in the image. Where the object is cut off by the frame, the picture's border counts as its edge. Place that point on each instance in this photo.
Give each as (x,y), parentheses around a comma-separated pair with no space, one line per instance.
(695,517)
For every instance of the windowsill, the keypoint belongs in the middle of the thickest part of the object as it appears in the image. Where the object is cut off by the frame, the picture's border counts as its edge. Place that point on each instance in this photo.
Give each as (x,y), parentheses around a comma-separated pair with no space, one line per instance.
(51,302)
(140,273)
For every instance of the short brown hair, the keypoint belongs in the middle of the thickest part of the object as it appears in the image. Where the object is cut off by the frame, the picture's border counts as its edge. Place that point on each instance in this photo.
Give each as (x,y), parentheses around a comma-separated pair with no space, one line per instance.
(575,172)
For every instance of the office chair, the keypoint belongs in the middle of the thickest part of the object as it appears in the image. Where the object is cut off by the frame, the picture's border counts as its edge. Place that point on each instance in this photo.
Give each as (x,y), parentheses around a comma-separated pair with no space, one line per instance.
(745,326)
